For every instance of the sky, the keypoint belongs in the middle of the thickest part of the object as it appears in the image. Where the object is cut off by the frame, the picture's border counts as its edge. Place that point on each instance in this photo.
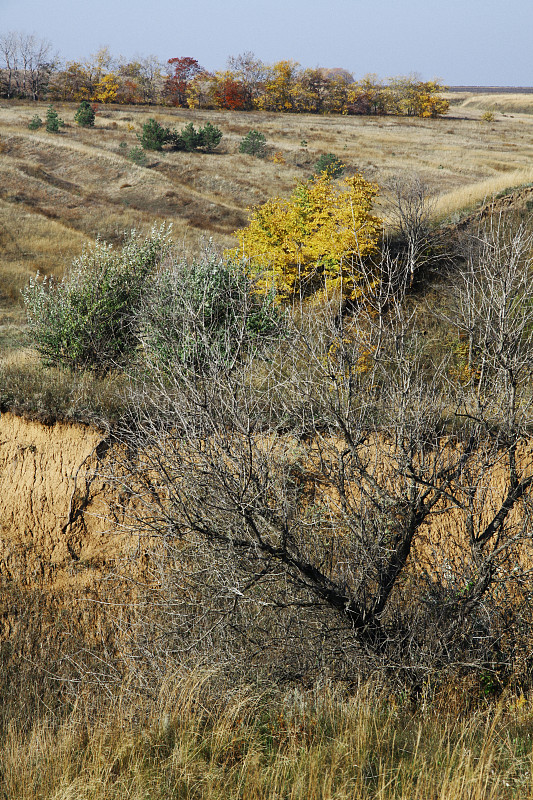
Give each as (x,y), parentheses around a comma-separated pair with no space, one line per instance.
(462,42)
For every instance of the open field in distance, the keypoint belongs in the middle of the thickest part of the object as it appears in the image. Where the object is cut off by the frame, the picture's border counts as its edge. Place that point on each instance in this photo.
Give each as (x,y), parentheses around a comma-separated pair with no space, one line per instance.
(58,191)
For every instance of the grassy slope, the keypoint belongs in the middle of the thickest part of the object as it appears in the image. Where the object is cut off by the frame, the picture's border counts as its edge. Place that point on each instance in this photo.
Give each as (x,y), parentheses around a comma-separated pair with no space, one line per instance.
(57,192)
(69,187)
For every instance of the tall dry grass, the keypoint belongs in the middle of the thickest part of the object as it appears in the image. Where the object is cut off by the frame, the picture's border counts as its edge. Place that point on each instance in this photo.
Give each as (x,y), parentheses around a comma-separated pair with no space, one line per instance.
(198,741)
(467,198)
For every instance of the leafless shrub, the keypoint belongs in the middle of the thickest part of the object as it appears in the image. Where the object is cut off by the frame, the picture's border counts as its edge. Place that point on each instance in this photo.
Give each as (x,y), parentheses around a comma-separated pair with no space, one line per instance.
(345,505)
(409,210)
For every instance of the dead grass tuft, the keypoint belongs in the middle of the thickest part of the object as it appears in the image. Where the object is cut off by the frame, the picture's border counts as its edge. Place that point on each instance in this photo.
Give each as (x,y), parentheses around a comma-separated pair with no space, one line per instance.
(198,740)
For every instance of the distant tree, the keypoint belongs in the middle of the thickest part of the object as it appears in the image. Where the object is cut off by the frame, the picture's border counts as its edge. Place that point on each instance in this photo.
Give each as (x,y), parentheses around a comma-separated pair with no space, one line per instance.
(210,137)
(106,89)
(183,70)
(10,63)
(189,139)
(201,91)
(100,63)
(229,91)
(37,62)
(253,144)
(329,163)
(313,90)
(411,96)
(53,121)
(35,123)
(27,65)
(368,96)
(140,81)
(280,87)
(151,78)
(154,135)
(73,83)
(250,72)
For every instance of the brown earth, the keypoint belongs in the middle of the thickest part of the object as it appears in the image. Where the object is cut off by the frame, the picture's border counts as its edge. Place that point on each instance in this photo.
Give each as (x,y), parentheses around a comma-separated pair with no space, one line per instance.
(53,530)
(56,537)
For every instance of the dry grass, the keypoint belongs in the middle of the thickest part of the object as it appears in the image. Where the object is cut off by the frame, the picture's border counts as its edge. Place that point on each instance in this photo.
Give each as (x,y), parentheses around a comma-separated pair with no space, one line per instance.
(32,390)
(452,205)
(195,743)
(58,191)
(505,103)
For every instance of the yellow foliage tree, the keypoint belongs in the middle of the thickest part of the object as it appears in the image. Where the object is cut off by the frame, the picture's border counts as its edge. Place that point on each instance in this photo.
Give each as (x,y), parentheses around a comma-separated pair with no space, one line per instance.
(314,242)
(105,91)
(280,87)
(432,104)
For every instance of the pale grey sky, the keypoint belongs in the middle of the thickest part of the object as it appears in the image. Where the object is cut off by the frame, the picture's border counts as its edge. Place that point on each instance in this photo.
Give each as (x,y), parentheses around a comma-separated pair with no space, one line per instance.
(485,42)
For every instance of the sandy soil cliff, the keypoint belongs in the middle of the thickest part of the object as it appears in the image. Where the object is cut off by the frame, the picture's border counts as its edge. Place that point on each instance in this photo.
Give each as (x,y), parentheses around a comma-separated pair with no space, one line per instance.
(53,531)
(56,537)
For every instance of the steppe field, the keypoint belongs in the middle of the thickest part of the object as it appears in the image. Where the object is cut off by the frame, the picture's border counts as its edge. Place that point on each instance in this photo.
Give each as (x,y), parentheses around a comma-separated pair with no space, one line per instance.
(143,655)
(58,191)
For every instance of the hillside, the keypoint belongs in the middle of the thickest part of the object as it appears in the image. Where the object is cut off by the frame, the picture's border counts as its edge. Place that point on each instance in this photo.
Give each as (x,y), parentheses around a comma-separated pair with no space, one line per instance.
(77,185)
(289,560)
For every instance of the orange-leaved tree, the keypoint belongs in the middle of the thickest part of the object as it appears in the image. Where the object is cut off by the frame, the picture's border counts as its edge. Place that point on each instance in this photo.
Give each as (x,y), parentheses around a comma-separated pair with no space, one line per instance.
(316,242)
(183,71)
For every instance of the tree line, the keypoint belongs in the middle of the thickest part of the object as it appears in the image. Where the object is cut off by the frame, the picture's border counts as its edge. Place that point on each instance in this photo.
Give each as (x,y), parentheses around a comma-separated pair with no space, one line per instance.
(29,69)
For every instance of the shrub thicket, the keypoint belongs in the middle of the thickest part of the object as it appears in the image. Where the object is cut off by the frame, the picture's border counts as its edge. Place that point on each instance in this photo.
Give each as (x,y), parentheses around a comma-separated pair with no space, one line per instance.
(154,136)
(204,311)
(85,321)
(114,305)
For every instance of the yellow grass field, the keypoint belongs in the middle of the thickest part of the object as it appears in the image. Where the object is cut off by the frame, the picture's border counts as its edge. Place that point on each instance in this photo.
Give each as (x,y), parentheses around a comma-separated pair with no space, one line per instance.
(58,191)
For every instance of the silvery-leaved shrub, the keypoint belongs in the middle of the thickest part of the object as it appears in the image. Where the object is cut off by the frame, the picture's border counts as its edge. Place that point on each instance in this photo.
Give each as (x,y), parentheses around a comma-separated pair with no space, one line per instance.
(85,321)
(204,312)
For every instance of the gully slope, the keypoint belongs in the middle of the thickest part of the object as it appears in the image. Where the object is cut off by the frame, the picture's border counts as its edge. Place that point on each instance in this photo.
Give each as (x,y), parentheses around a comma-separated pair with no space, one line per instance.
(56,537)
(52,509)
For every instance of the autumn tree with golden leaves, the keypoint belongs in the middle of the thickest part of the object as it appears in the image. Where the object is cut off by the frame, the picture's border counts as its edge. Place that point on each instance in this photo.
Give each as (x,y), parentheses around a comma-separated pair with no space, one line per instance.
(314,242)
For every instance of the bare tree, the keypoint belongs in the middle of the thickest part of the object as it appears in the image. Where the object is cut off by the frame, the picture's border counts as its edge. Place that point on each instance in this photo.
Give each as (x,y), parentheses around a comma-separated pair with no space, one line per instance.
(409,211)
(296,495)
(250,71)
(10,66)
(37,63)
(27,64)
